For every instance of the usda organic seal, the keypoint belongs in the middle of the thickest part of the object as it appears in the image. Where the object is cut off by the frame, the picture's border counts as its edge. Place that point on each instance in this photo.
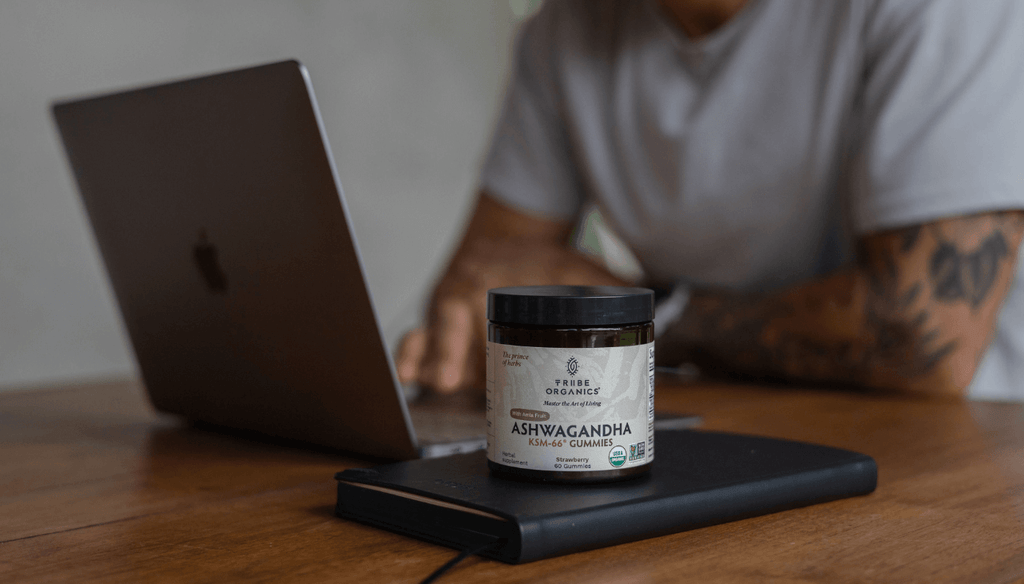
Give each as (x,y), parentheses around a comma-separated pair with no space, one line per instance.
(617,457)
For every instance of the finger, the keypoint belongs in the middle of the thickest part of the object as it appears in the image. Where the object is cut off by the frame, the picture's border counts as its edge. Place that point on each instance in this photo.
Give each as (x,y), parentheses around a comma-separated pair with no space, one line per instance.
(448,358)
(411,350)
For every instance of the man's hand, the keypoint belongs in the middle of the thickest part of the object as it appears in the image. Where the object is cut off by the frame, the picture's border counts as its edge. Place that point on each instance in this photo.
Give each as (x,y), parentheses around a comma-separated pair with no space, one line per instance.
(916,313)
(501,247)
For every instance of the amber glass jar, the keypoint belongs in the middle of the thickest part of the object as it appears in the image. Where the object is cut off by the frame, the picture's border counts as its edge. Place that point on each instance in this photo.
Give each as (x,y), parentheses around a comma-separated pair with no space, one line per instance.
(570,384)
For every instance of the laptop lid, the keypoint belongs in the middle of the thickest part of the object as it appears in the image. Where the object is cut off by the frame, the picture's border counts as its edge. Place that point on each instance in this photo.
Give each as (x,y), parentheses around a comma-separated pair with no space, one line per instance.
(221,221)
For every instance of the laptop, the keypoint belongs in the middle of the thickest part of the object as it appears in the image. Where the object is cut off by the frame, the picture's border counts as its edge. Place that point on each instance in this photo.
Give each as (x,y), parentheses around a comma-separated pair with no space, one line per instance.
(222,224)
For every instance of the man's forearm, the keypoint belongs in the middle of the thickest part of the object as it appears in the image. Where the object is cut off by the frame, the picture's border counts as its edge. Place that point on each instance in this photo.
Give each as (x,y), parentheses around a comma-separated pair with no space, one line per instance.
(824,331)
(916,312)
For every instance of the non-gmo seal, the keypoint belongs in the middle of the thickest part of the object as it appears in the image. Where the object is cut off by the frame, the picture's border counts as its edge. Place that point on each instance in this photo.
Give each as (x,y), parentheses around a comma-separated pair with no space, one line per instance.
(617,456)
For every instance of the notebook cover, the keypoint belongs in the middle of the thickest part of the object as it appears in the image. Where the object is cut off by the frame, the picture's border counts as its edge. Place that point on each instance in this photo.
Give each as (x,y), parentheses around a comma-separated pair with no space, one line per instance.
(698,478)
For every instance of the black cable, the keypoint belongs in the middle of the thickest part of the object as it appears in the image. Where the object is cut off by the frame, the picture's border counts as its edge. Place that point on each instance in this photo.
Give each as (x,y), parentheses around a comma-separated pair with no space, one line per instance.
(469,551)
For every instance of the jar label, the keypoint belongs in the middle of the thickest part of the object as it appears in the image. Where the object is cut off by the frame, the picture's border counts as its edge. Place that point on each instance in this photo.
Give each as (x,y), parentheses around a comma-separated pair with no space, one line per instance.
(570,410)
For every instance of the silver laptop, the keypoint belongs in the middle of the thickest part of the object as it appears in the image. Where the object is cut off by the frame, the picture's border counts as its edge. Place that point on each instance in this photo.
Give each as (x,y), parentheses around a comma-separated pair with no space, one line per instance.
(222,224)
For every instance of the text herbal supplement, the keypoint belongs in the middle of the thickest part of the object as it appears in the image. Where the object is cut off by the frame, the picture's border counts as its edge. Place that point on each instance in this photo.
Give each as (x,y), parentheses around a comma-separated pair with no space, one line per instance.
(570,382)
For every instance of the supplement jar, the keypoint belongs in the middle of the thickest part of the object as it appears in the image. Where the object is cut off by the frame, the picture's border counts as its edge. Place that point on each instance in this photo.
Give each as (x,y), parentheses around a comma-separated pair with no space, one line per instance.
(570,382)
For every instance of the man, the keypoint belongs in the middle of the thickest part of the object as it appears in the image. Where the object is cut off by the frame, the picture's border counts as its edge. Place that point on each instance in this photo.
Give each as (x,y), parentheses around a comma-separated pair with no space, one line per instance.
(832,189)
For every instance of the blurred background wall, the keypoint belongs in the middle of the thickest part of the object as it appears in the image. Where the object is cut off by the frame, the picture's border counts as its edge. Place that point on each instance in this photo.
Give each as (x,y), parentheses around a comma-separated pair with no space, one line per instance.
(408,91)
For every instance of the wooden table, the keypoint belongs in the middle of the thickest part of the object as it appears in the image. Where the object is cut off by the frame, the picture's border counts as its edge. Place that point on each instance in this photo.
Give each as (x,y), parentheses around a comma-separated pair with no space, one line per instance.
(94,486)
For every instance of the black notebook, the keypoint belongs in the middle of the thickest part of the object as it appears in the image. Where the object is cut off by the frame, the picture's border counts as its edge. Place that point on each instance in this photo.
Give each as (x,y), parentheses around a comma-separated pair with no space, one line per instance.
(698,478)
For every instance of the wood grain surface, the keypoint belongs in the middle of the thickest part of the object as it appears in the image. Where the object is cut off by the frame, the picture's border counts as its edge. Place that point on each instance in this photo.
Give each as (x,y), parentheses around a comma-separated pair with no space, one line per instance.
(96,487)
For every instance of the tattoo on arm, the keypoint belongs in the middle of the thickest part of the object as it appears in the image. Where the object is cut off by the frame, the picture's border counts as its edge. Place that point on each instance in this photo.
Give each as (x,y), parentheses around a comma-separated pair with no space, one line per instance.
(957,275)
(889,335)
(898,338)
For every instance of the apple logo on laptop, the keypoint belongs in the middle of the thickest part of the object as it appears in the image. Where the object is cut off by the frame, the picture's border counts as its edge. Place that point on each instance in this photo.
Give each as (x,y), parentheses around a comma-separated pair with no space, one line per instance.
(205,255)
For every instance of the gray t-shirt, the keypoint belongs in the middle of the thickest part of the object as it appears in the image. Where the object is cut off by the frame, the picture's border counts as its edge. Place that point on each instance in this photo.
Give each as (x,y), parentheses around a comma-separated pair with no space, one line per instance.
(753,158)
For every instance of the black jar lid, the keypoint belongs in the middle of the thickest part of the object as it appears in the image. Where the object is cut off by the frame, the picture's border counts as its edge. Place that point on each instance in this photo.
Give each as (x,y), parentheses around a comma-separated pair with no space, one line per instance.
(581,306)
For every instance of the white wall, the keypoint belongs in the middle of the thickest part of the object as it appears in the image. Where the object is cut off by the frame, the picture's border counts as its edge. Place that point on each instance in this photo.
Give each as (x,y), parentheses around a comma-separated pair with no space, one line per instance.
(408,90)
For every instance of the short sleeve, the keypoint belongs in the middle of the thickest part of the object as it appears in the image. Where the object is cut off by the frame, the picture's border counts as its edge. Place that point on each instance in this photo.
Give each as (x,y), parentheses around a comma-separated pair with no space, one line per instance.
(941,113)
(529,165)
